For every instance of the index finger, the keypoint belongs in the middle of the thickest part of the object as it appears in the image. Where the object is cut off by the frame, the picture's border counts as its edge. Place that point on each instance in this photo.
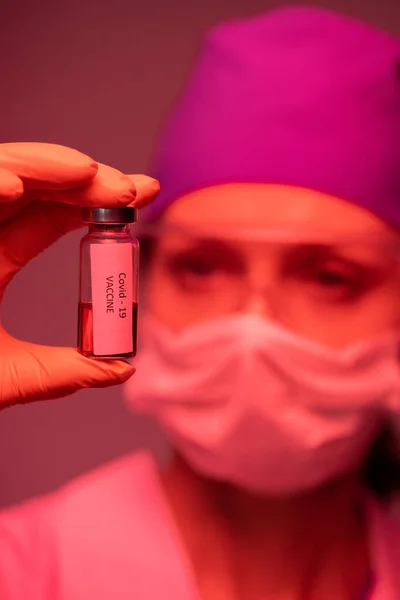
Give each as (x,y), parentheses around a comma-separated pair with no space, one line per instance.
(147,189)
(47,166)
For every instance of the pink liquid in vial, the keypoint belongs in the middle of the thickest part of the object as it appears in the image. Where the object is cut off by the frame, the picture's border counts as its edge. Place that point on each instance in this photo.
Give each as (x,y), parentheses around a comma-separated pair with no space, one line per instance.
(85,331)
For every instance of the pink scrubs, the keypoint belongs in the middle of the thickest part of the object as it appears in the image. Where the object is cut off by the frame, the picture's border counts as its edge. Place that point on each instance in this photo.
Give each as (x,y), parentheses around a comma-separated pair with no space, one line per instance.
(109,535)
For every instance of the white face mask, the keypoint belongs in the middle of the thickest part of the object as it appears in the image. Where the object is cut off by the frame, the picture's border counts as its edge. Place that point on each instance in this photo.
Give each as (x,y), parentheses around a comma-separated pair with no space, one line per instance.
(249,402)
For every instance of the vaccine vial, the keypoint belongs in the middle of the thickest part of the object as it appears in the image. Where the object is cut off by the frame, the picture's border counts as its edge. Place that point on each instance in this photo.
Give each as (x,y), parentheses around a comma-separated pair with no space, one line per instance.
(108,290)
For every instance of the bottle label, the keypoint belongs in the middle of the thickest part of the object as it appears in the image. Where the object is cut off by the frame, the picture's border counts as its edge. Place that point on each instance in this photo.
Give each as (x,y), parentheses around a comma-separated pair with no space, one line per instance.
(112,297)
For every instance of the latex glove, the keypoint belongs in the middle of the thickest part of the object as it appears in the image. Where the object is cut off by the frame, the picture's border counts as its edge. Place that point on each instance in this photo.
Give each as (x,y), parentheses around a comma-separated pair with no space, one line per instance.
(42,187)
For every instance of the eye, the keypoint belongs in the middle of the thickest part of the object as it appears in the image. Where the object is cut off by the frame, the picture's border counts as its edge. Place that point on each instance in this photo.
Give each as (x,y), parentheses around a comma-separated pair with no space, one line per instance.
(191,264)
(206,268)
(333,278)
(333,281)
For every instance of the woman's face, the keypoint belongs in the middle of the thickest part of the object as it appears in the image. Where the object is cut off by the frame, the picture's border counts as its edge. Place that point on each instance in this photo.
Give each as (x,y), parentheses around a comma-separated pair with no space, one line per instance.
(328,290)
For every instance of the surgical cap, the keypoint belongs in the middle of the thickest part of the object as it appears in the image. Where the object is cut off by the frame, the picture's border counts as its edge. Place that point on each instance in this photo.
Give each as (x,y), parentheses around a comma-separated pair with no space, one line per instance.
(298,96)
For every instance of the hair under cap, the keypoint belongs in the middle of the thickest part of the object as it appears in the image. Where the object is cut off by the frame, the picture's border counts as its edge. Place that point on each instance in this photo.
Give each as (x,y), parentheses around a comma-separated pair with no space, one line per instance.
(297,96)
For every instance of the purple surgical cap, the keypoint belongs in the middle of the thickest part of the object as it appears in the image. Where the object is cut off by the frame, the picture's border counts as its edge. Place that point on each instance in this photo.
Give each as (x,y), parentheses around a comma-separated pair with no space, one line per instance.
(297,96)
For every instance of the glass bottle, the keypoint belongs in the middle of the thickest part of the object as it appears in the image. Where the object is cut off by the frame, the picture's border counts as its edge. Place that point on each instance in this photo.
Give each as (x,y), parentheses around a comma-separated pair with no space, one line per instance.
(108,290)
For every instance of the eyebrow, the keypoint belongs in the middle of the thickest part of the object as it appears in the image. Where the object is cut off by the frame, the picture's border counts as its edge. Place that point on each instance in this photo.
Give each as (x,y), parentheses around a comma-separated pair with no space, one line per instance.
(377,255)
(328,247)
(348,255)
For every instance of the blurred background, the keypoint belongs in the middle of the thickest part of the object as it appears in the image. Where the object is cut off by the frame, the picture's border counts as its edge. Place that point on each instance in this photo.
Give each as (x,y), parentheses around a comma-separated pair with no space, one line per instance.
(99,76)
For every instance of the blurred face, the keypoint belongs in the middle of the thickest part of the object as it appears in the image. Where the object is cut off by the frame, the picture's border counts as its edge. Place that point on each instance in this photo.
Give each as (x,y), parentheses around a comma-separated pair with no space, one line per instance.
(335,281)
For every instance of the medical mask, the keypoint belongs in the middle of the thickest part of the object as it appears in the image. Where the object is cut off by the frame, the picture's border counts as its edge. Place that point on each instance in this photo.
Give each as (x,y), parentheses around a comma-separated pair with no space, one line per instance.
(249,402)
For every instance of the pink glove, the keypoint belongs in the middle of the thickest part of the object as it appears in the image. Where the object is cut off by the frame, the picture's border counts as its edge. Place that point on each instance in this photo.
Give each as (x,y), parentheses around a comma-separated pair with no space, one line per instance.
(42,187)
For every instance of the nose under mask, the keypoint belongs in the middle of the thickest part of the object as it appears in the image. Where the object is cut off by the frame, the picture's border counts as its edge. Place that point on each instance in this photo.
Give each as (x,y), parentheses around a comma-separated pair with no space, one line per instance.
(249,402)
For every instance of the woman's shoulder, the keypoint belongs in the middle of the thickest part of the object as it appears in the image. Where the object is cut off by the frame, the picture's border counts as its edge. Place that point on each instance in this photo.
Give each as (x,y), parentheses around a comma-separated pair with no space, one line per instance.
(114,482)
(99,523)
(111,492)
(118,483)
(119,503)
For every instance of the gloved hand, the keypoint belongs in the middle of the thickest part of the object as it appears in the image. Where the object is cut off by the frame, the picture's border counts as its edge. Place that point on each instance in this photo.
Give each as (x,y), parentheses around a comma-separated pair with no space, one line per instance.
(42,187)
